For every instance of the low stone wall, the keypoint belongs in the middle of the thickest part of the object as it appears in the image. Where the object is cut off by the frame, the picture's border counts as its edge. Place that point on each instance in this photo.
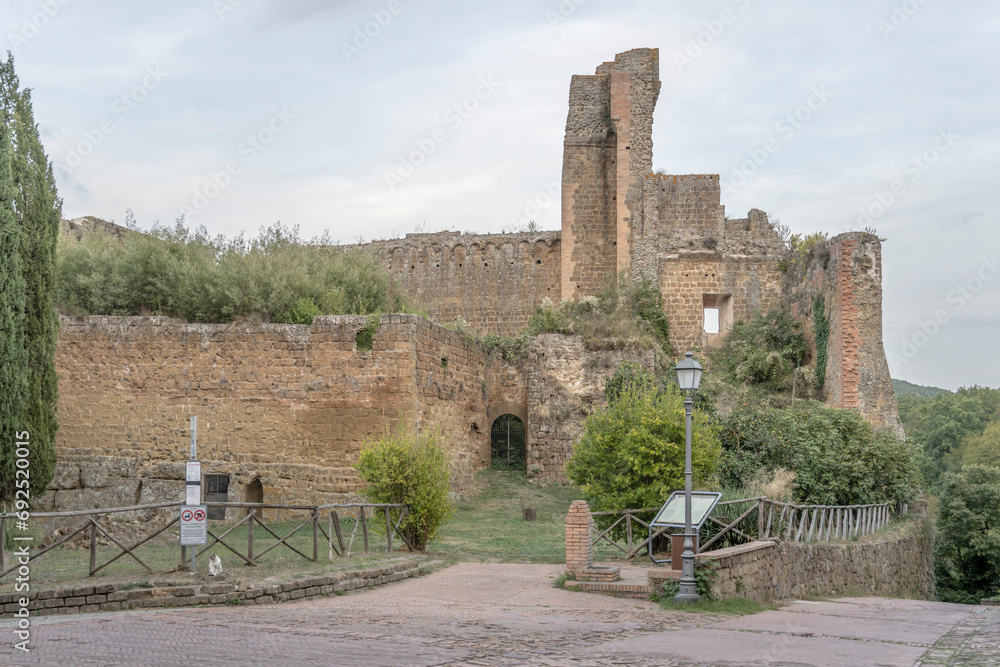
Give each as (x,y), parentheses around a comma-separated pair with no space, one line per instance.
(115,597)
(896,563)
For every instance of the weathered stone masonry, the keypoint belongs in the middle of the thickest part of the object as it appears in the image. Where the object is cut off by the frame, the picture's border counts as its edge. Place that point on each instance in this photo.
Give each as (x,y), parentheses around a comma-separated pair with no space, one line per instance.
(673,229)
(291,405)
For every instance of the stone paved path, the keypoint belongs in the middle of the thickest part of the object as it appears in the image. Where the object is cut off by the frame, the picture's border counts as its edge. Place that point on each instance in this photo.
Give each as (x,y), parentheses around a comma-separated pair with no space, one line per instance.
(476,614)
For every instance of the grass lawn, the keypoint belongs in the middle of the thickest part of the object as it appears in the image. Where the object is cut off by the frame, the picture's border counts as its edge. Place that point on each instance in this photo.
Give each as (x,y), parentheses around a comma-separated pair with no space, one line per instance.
(64,567)
(488,526)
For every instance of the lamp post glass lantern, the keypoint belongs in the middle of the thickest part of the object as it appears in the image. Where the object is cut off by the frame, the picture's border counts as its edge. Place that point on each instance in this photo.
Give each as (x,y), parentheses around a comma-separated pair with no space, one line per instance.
(688,378)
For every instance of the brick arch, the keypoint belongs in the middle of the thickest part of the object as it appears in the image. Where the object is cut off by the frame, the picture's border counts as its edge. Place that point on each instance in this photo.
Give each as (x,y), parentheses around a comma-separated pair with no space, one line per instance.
(499,408)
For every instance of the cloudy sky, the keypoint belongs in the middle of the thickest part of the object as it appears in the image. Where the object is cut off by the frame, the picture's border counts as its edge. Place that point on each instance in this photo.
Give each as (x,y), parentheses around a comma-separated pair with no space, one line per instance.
(374,118)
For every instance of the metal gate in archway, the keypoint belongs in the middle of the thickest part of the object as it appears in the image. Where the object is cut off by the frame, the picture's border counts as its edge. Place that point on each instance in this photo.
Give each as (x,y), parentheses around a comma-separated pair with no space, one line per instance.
(507,450)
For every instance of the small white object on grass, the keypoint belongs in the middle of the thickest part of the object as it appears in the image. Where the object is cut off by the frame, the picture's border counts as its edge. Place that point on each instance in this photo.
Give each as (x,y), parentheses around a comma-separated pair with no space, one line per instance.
(214,566)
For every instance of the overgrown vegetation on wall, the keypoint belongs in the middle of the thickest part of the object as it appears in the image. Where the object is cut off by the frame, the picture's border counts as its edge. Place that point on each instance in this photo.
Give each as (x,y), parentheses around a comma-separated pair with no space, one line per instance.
(181,272)
(764,351)
(30,211)
(627,313)
(821,330)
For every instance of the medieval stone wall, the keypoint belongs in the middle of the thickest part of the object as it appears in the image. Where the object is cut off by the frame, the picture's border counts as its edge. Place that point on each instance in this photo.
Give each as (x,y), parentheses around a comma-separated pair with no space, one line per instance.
(289,405)
(847,273)
(565,385)
(492,281)
(292,405)
(895,563)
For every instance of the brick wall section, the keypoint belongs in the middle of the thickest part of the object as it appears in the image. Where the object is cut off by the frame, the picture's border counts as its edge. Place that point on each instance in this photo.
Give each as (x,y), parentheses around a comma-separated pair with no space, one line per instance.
(850,279)
(898,563)
(607,152)
(579,550)
(288,404)
(492,281)
(115,597)
(565,384)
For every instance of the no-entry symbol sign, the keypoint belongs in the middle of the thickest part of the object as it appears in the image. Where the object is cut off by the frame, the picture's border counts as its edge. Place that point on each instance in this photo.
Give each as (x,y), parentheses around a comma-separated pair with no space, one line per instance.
(194,525)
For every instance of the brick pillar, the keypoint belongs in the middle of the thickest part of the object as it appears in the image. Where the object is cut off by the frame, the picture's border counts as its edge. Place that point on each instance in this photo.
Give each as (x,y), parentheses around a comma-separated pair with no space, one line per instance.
(579,551)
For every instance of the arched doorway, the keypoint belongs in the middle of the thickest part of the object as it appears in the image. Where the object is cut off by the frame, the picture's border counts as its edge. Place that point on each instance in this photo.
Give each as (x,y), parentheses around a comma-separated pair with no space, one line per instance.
(253,493)
(507,444)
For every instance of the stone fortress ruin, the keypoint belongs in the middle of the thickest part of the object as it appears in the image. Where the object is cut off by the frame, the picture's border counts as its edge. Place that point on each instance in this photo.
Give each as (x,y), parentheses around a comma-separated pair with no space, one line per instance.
(284,410)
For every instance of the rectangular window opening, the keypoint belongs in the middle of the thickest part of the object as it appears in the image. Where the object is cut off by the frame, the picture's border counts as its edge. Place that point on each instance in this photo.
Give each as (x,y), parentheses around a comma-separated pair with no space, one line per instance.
(712,320)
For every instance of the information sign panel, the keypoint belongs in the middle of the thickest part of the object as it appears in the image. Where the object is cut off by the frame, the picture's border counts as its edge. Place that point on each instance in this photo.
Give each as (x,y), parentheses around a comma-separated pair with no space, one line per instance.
(671,515)
(194,525)
(193,477)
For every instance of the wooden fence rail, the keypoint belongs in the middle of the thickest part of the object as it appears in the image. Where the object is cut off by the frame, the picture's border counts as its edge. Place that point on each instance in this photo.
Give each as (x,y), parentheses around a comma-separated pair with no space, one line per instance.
(314,522)
(774,520)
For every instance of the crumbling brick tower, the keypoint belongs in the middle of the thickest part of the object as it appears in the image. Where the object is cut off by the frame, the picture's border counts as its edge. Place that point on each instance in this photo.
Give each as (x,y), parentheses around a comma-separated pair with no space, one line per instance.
(673,229)
(607,153)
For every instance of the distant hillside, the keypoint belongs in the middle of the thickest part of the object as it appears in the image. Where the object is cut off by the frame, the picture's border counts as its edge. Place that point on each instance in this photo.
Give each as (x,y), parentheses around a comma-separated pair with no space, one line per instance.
(904,388)
(77,226)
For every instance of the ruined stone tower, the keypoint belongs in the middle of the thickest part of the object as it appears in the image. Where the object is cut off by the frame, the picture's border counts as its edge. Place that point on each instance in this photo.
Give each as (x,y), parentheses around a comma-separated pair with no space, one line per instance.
(607,154)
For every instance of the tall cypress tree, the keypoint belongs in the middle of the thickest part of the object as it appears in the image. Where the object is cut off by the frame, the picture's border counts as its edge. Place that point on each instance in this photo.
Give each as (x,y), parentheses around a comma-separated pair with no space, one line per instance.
(13,355)
(37,211)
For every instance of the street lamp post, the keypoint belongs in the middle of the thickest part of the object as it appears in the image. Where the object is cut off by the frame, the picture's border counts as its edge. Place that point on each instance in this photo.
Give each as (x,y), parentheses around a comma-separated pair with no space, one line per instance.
(688,378)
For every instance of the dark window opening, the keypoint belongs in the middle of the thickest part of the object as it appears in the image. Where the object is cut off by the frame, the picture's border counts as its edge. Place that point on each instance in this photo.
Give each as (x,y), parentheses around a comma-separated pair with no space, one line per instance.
(253,493)
(507,444)
(217,491)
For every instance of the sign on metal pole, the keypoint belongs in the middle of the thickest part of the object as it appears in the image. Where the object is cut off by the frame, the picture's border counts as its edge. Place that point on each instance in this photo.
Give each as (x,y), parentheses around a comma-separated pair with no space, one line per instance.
(193,496)
(194,525)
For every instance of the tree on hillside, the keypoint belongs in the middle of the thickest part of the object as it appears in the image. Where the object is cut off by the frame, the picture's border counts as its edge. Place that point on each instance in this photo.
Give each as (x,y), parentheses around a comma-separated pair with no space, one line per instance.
(37,210)
(967,562)
(13,356)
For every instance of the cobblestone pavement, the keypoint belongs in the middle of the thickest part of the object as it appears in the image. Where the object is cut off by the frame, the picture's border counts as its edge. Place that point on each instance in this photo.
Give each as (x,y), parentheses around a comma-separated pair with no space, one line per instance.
(488,614)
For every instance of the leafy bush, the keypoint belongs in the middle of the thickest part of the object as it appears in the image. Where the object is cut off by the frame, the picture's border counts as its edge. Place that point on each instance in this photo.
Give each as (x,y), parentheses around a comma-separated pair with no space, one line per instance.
(704,578)
(836,456)
(967,558)
(941,426)
(179,272)
(630,376)
(627,313)
(631,454)
(764,350)
(409,468)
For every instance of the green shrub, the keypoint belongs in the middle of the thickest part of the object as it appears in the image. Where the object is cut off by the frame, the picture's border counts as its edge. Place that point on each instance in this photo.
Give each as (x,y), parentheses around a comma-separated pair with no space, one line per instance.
(630,376)
(836,456)
(409,468)
(183,273)
(764,350)
(967,558)
(627,313)
(703,576)
(631,454)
